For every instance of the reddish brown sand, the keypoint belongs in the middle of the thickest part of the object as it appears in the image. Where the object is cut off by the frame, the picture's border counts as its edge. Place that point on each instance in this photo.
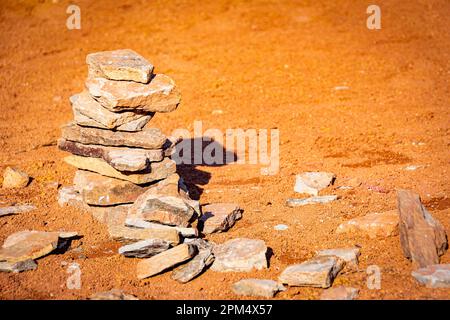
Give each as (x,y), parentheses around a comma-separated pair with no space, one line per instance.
(265,65)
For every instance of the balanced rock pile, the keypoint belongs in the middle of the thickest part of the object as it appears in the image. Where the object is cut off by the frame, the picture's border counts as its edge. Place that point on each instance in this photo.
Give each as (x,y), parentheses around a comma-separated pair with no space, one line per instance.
(125,176)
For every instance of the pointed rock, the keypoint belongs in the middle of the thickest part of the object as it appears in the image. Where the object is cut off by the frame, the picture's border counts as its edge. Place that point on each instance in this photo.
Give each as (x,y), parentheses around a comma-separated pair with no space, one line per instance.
(122,65)
(165,260)
(145,248)
(423,238)
(317,272)
(434,276)
(240,255)
(313,182)
(149,138)
(160,95)
(373,225)
(218,217)
(257,287)
(157,170)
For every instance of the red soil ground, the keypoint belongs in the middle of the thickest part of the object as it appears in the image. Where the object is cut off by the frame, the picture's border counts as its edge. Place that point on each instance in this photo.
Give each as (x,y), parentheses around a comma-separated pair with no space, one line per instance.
(265,64)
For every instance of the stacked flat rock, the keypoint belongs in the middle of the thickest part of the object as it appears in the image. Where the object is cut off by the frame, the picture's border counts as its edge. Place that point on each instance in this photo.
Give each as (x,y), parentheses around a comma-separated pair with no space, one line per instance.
(123,164)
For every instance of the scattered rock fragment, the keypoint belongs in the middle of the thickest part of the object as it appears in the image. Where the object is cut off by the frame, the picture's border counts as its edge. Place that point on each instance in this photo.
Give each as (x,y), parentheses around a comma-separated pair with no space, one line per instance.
(122,65)
(139,223)
(165,260)
(240,255)
(311,200)
(257,287)
(17,267)
(194,267)
(111,216)
(130,235)
(349,255)
(374,225)
(5,211)
(313,182)
(14,178)
(434,276)
(281,227)
(145,248)
(317,272)
(114,294)
(422,238)
(340,293)
(69,196)
(219,217)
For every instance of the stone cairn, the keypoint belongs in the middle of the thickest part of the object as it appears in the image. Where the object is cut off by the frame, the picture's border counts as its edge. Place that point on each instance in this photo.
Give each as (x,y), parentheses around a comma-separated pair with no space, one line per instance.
(125,177)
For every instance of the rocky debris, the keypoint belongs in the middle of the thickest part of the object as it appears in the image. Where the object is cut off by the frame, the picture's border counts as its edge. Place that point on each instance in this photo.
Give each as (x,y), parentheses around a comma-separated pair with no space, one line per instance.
(349,255)
(69,196)
(148,138)
(145,248)
(165,260)
(139,223)
(157,170)
(240,255)
(122,65)
(195,266)
(30,245)
(422,238)
(114,294)
(14,178)
(257,287)
(374,225)
(88,112)
(111,216)
(99,190)
(218,217)
(313,182)
(340,293)
(5,211)
(130,235)
(434,276)
(160,95)
(311,200)
(317,272)
(120,158)
(167,203)
(17,267)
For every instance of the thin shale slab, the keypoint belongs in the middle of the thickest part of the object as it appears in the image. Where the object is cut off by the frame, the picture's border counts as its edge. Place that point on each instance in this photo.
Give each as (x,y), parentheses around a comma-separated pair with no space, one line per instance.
(257,287)
(129,235)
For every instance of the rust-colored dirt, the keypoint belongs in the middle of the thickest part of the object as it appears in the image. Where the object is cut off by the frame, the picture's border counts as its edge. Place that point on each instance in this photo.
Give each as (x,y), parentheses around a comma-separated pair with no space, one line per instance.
(265,64)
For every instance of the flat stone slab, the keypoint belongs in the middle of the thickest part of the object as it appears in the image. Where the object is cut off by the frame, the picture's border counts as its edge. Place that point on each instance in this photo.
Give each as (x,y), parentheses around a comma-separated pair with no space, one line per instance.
(219,217)
(30,245)
(434,276)
(422,238)
(129,235)
(317,272)
(120,158)
(165,203)
(114,294)
(99,190)
(88,112)
(340,293)
(165,260)
(240,255)
(313,182)
(145,248)
(14,178)
(194,267)
(157,171)
(139,223)
(349,255)
(159,95)
(17,267)
(149,138)
(312,200)
(69,196)
(122,65)
(6,211)
(384,224)
(257,287)
(111,216)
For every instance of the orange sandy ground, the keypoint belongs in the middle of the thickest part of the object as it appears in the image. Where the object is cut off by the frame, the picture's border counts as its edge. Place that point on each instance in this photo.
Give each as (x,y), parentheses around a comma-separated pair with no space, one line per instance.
(265,64)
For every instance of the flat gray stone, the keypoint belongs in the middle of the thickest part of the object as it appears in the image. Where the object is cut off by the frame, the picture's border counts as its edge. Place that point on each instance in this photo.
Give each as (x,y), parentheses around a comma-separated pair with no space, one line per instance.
(434,276)
(194,267)
(5,211)
(257,287)
(144,249)
(317,272)
(139,223)
(311,200)
(240,255)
